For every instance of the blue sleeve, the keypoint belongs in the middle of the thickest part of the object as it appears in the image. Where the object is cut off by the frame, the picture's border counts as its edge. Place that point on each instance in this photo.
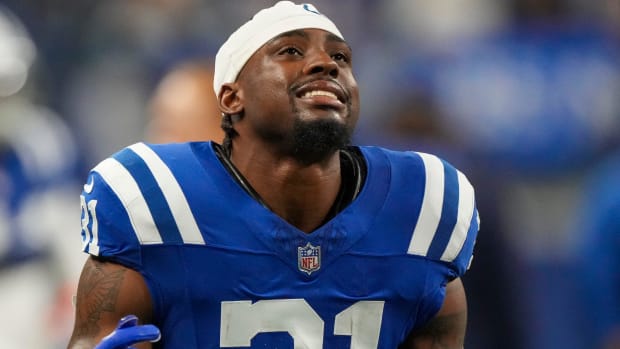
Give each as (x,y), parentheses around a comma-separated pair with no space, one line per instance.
(447,223)
(464,259)
(107,228)
(460,202)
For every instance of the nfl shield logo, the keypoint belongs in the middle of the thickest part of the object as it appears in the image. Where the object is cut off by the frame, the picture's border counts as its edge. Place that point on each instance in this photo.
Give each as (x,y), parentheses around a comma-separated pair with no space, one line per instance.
(309,258)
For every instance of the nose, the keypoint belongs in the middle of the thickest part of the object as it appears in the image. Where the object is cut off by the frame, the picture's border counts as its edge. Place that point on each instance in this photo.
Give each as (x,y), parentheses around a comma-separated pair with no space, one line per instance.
(320,62)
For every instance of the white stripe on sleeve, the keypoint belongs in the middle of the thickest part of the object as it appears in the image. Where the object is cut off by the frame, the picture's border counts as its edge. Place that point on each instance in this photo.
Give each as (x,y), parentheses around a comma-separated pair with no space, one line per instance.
(177,202)
(432,204)
(465,214)
(128,192)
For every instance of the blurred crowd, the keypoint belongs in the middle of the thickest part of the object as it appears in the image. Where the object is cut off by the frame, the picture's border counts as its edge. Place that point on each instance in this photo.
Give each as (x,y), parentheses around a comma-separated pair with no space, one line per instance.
(522,95)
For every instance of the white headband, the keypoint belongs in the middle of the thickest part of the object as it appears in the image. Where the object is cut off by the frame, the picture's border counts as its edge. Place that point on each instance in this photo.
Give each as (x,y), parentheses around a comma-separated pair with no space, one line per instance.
(264,26)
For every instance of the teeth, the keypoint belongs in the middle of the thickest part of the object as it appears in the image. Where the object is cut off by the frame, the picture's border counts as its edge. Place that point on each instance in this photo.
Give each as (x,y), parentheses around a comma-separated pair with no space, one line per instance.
(319,93)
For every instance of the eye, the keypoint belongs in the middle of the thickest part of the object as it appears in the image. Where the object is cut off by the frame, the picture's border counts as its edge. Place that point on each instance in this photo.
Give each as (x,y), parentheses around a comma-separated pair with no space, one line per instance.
(290,51)
(340,57)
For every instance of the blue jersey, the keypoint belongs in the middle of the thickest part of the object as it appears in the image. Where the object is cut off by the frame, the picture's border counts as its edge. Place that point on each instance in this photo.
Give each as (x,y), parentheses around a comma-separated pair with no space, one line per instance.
(225,272)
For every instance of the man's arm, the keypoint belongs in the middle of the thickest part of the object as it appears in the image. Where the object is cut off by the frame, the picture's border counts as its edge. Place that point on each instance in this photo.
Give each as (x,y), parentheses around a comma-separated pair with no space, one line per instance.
(106,292)
(447,329)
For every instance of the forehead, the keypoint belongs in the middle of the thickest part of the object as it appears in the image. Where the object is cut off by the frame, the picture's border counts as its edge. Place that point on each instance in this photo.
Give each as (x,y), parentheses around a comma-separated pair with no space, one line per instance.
(326,37)
(307,34)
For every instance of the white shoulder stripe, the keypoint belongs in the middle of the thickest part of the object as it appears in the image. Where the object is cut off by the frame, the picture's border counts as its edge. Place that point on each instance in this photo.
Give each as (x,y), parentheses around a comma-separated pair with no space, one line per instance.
(463,222)
(128,192)
(432,204)
(190,233)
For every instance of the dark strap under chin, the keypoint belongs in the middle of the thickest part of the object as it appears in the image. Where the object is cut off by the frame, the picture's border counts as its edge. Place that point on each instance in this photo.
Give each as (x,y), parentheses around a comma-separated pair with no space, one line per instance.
(353,172)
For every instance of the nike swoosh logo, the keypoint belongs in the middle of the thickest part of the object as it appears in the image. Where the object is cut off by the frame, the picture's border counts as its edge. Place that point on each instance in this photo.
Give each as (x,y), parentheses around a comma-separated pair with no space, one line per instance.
(88,187)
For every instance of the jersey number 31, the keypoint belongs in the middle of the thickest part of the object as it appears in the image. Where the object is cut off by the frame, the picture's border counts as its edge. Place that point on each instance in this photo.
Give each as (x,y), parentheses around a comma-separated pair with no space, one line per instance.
(242,320)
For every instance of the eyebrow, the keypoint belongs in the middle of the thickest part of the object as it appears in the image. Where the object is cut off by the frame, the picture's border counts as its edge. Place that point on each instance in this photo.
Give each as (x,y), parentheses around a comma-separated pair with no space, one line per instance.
(303,34)
(297,32)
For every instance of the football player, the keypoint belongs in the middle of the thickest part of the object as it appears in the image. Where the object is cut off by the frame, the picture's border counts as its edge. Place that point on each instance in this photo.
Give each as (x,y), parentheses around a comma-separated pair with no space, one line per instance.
(285,235)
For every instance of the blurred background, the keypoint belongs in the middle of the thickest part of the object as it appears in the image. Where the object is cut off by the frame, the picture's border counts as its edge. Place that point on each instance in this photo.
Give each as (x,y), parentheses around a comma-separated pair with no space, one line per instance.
(521,95)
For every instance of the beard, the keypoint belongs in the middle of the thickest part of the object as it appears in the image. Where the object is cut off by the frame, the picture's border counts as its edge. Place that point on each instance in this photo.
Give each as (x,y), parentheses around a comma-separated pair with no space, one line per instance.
(308,140)
(316,140)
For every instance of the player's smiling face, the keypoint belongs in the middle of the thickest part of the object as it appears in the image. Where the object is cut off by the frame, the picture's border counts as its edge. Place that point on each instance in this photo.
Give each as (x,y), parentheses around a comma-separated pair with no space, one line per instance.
(297,78)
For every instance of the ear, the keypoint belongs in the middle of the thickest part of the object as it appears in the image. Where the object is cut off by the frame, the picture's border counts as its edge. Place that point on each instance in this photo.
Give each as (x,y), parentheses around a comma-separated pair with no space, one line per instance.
(230,99)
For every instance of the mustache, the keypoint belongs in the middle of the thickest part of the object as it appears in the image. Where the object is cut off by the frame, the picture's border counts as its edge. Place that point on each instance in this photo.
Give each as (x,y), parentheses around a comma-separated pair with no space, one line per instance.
(297,85)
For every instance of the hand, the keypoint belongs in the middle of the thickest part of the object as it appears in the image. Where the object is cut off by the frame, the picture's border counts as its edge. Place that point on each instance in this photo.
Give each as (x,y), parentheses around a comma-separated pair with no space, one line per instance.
(128,332)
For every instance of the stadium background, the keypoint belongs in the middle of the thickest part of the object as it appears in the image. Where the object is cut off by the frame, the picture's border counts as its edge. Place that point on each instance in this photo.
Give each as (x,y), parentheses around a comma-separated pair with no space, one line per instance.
(522,95)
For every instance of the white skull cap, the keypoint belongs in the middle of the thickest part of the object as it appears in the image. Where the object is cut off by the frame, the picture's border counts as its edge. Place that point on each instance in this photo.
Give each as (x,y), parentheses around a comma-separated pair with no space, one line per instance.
(268,23)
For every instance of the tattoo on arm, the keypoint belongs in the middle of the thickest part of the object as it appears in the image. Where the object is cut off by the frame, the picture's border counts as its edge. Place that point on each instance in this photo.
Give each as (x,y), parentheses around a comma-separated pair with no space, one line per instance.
(98,294)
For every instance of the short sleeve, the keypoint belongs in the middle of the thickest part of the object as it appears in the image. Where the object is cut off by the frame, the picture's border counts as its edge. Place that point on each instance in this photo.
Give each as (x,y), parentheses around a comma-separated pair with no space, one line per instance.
(133,200)
(111,209)
(447,223)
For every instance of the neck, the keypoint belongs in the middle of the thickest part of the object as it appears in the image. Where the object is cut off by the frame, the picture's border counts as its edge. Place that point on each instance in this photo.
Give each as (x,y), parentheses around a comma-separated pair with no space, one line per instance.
(300,194)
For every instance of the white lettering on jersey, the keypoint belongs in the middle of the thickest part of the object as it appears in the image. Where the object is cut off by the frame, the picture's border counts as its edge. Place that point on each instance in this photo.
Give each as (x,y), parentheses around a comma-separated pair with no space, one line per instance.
(90,236)
(241,321)
(361,321)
